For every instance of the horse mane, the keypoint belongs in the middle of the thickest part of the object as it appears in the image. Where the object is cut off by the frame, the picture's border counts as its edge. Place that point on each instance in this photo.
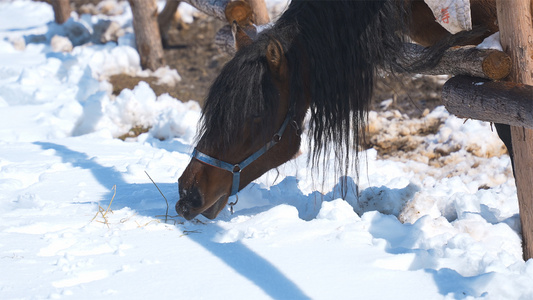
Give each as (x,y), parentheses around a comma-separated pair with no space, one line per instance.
(240,94)
(333,49)
(344,43)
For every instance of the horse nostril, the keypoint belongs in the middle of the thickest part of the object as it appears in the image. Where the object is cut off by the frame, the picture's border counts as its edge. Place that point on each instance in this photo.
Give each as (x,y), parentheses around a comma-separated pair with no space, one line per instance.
(182,209)
(189,203)
(195,199)
(190,197)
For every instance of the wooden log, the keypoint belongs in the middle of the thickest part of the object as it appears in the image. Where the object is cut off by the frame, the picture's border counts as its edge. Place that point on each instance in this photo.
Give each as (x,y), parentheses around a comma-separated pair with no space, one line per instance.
(213,8)
(61,10)
(216,8)
(240,12)
(468,60)
(224,40)
(147,36)
(491,101)
(515,19)
(484,63)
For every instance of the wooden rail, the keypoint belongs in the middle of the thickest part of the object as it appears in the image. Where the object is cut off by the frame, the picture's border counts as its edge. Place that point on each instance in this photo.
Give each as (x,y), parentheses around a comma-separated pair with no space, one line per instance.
(492,101)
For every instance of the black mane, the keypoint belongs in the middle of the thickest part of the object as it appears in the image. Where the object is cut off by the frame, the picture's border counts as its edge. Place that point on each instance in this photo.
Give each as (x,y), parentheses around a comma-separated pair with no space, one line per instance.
(333,49)
(345,42)
(239,94)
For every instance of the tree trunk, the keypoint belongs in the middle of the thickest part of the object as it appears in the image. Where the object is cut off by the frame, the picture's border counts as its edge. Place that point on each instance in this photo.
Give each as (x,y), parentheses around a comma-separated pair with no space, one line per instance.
(147,36)
(165,19)
(515,20)
(491,101)
(61,10)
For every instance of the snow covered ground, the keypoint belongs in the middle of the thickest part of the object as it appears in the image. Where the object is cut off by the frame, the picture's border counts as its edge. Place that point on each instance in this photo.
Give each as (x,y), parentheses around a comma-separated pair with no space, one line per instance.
(79,218)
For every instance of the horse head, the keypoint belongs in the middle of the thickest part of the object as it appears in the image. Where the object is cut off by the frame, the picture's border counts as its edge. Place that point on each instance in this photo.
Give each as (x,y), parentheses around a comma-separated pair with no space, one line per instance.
(248,126)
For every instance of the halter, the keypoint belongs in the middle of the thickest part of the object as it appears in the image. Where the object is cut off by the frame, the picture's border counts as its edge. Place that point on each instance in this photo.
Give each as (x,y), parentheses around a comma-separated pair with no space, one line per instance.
(237,168)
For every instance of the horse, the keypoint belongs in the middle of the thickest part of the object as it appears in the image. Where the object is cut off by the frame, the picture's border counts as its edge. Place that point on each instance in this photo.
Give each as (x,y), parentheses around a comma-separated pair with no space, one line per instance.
(321,57)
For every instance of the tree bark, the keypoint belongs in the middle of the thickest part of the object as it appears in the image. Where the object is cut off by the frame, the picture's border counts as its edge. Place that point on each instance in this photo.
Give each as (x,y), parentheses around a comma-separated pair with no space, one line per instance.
(224,40)
(61,10)
(491,101)
(468,60)
(165,17)
(213,8)
(515,20)
(147,36)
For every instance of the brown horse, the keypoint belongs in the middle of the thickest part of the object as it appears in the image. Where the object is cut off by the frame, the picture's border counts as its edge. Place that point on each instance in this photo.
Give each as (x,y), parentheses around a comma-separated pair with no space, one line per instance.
(320,56)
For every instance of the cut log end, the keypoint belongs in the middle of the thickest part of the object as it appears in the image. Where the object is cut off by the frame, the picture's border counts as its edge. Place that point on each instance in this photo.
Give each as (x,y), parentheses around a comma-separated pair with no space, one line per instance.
(239,11)
(468,60)
(497,65)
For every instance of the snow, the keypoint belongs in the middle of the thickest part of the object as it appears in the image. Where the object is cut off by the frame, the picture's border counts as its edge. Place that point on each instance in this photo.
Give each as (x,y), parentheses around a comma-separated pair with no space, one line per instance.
(491,42)
(79,218)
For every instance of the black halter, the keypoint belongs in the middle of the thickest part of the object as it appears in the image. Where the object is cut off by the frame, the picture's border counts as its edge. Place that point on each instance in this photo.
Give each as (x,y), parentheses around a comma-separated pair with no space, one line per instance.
(236,169)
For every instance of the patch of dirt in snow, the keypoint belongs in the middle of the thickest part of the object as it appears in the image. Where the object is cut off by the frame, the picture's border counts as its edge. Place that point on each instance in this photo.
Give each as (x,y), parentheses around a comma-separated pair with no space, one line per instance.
(397,136)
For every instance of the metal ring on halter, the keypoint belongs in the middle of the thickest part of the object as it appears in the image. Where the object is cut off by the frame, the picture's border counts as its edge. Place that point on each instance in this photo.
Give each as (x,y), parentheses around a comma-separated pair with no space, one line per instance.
(232,204)
(296,127)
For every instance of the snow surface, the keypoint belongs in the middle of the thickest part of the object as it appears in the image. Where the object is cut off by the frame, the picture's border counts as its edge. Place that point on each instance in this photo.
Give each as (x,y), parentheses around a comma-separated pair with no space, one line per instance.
(79,218)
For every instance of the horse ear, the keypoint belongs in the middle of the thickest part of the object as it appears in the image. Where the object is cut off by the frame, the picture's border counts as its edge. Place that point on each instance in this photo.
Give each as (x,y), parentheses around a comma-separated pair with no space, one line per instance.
(275,57)
(241,38)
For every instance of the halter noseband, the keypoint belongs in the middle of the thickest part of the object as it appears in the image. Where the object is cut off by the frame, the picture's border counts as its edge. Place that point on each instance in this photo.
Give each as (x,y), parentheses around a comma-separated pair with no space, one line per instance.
(236,169)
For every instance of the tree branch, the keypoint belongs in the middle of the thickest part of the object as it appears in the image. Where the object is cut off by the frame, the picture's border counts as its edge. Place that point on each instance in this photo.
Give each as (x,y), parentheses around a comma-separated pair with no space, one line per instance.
(215,8)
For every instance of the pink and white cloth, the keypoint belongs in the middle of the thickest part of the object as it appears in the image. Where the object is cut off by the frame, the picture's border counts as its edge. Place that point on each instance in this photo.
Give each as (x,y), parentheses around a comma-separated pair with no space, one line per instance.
(453,15)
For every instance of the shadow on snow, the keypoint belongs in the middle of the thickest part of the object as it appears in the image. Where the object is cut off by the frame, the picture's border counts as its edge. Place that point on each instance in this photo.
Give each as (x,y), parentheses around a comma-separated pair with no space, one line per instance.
(141,197)
(146,200)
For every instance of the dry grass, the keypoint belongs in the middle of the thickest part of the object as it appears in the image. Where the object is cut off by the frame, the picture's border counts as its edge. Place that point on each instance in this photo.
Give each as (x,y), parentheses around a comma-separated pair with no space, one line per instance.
(103,212)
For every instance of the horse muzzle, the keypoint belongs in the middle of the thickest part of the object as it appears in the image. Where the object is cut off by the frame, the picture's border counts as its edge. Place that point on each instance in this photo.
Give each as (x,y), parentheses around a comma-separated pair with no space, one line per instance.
(192,203)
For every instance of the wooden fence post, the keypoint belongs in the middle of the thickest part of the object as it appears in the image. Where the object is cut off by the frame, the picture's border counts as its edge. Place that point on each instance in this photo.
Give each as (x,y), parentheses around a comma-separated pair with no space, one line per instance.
(515,20)
(147,36)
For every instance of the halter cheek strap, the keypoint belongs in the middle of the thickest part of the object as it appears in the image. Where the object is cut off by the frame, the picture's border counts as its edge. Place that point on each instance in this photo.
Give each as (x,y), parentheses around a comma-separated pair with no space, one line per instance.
(236,169)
